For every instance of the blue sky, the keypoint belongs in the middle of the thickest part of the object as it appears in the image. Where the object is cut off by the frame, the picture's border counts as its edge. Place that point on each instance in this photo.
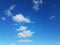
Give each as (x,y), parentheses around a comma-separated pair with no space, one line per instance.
(29,22)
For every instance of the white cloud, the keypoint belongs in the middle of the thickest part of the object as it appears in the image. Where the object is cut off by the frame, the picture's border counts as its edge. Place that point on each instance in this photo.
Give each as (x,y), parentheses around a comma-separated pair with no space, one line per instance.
(25,40)
(24,34)
(3,18)
(13,44)
(52,17)
(20,18)
(22,28)
(36,4)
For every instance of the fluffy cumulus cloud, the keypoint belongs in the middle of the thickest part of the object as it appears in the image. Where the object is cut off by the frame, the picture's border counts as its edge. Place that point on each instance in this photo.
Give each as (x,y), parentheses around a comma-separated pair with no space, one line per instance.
(25,34)
(22,28)
(36,4)
(8,11)
(20,18)
(25,40)
(3,18)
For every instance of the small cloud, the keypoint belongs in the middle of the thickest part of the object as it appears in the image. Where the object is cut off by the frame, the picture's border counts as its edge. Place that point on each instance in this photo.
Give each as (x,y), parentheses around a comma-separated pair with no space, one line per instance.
(41,1)
(20,18)
(8,11)
(26,41)
(12,7)
(25,34)
(13,44)
(22,28)
(35,7)
(36,4)
(54,5)
(52,17)
(15,24)
(57,43)
(37,1)
(3,18)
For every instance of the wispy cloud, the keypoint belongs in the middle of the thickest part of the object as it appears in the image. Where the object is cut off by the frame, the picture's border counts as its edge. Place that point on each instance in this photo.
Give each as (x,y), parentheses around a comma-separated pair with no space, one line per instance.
(8,11)
(36,4)
(15,24)
(57,43)
(54,6)
(25,40)
(13,44)
(20,18)
(25,34)
(3,18)
(52,17)
(22,28)
(12,7)
(41,1)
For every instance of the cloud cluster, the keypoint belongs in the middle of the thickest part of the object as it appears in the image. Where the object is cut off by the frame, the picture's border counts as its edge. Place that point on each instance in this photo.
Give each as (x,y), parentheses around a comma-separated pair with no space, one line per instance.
(20,18)
(25,34)
(36,4)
